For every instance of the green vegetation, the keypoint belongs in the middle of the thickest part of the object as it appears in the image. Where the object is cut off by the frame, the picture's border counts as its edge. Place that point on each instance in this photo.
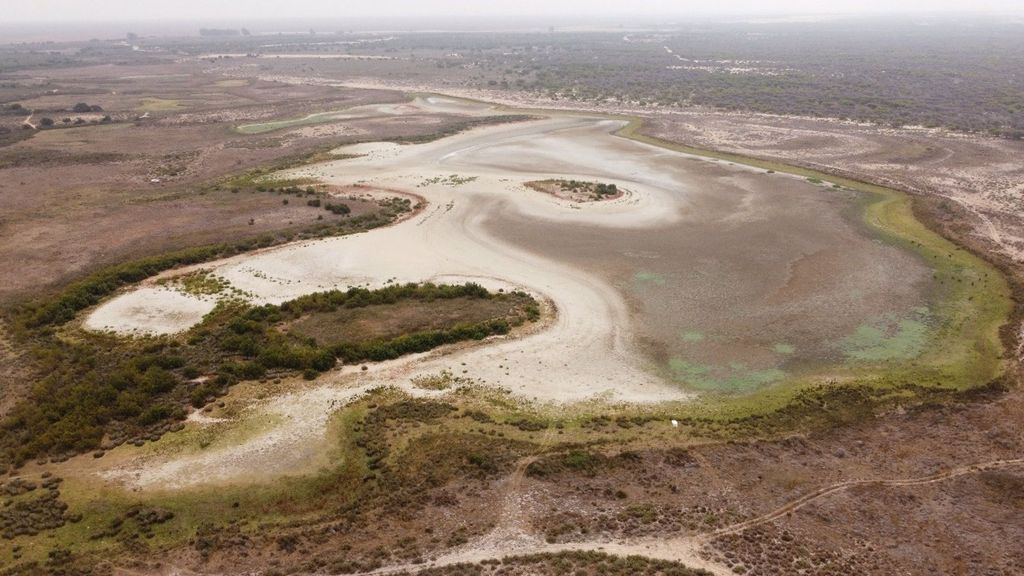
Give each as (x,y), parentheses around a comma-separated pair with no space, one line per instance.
(462,125)
(577,563)
(453,181)
(398,455)
(101,390)
(736,377)
(29,511)
(199,283)
(383,322)
(83,107)
(442,381)
(339,208)
(158,105)
(574,461)
(577,189)
(395,455)
(888,340)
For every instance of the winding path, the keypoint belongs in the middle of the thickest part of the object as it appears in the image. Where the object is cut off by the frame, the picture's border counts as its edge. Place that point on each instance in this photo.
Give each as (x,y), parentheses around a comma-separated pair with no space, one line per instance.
(685,550)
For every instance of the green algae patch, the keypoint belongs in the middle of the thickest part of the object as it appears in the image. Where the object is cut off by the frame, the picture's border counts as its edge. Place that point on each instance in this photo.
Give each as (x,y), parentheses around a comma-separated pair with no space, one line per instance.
(650,278)
(887,340)
(735,377)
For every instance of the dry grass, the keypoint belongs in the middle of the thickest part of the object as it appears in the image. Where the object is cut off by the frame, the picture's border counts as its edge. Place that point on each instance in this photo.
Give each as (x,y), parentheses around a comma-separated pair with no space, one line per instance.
(391,320)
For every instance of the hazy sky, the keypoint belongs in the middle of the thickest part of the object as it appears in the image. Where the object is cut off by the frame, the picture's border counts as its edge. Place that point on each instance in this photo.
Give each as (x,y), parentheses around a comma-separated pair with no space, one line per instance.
(107,10)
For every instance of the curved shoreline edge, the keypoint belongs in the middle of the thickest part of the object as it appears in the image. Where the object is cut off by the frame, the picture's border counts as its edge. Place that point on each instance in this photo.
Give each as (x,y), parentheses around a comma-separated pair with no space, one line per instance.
(890,213)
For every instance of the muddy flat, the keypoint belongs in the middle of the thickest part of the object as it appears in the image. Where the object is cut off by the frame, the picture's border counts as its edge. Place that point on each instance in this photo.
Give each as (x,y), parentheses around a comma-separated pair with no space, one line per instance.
(760,276)
(702,277)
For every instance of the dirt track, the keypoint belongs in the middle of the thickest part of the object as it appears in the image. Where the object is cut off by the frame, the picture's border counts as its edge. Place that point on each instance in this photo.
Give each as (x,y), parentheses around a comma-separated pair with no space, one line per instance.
(685,550)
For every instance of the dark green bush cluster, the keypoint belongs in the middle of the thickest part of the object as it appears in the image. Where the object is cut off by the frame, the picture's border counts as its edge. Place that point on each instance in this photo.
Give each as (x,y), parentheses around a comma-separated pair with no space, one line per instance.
(529,424)
(578,563)
(102,387)
(597,189)
(577,461)
(84,107)
(334,300)
(374,439)
(396,205)
(389,349)
(340,208)
(30,516)
(250,336)
(253,336)
(91,391)
(292,189)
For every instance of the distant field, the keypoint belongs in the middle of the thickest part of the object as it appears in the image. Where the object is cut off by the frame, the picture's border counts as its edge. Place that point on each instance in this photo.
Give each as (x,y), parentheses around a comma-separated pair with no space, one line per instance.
(159,105)
(964,74)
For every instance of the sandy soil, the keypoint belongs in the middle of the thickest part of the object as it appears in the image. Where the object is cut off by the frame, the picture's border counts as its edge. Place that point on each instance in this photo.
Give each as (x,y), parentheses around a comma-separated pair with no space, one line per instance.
(178,312)
(285,449)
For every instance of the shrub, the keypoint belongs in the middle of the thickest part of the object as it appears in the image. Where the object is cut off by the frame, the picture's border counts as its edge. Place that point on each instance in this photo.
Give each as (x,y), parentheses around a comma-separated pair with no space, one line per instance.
(340,209)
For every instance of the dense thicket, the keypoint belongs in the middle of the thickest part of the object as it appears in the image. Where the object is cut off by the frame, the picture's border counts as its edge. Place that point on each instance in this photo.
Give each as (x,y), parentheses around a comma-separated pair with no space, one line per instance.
(966,74)
(100,390)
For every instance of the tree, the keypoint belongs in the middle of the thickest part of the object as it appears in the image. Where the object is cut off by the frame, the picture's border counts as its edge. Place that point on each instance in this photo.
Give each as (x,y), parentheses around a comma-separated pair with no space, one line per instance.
(47,122)
(82,107)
